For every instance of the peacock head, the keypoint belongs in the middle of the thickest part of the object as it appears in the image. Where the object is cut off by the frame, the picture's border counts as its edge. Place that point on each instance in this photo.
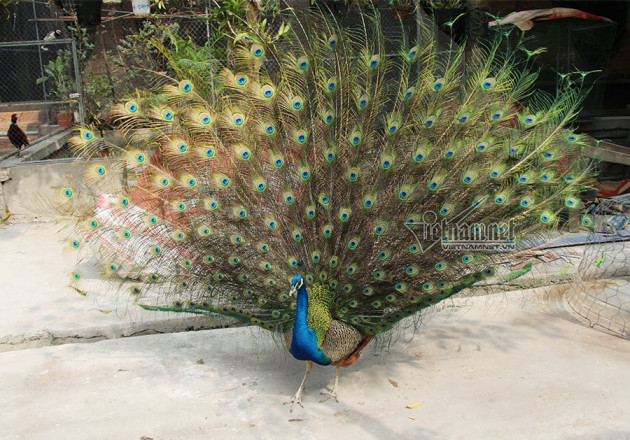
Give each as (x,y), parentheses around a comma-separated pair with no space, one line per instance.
(296,283)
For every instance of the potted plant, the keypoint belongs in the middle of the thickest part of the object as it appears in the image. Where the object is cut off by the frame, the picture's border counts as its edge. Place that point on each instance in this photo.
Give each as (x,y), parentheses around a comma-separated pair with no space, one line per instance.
(58,76)
(402,8)
(65,119)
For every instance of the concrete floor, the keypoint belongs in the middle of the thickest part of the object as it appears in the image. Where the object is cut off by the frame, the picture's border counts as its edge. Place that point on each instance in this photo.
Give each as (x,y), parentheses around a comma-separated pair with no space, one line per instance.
(505,366)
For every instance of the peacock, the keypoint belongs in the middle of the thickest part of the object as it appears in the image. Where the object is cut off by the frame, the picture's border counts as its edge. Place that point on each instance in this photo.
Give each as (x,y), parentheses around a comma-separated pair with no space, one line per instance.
(328,185)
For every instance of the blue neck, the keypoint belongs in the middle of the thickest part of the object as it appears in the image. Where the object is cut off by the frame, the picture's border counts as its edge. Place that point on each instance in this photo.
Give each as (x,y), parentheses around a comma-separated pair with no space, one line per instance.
(304,345)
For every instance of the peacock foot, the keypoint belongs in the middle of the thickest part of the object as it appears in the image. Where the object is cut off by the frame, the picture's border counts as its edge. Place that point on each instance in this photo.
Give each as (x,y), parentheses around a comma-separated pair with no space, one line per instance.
(297,397)
(296,400)
(332,394)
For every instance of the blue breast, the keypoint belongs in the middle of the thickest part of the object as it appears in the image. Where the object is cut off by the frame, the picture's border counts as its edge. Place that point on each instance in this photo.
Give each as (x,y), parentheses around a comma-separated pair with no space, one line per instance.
(304,347)
(304,343)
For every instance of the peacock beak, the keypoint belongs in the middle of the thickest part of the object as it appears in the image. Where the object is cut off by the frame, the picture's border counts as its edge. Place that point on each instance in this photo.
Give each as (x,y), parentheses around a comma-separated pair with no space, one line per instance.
(293,290)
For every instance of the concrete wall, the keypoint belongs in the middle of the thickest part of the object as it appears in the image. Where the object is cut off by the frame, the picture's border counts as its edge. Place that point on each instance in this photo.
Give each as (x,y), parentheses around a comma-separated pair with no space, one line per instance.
(29,190)
(4,176)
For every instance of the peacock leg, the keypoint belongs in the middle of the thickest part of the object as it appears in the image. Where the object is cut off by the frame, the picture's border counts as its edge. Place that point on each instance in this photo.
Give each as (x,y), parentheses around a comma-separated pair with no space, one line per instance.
(297,397)
(333,393)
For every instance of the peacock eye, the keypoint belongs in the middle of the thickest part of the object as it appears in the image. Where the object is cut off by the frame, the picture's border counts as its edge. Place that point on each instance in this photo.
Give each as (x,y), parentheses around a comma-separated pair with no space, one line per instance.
(302,63)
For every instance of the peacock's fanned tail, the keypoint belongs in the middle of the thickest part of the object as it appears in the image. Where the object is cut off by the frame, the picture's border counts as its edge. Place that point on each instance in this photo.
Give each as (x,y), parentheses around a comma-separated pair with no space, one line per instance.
(330,157)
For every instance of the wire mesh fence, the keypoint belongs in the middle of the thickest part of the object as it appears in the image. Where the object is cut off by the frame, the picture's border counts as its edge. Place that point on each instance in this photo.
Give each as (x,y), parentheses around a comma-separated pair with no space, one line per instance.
(40,85)
(600,295)
(41,71)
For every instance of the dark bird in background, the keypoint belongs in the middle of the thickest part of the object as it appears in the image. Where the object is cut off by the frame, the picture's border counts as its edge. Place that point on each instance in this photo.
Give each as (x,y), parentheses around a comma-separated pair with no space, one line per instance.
(16,135)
